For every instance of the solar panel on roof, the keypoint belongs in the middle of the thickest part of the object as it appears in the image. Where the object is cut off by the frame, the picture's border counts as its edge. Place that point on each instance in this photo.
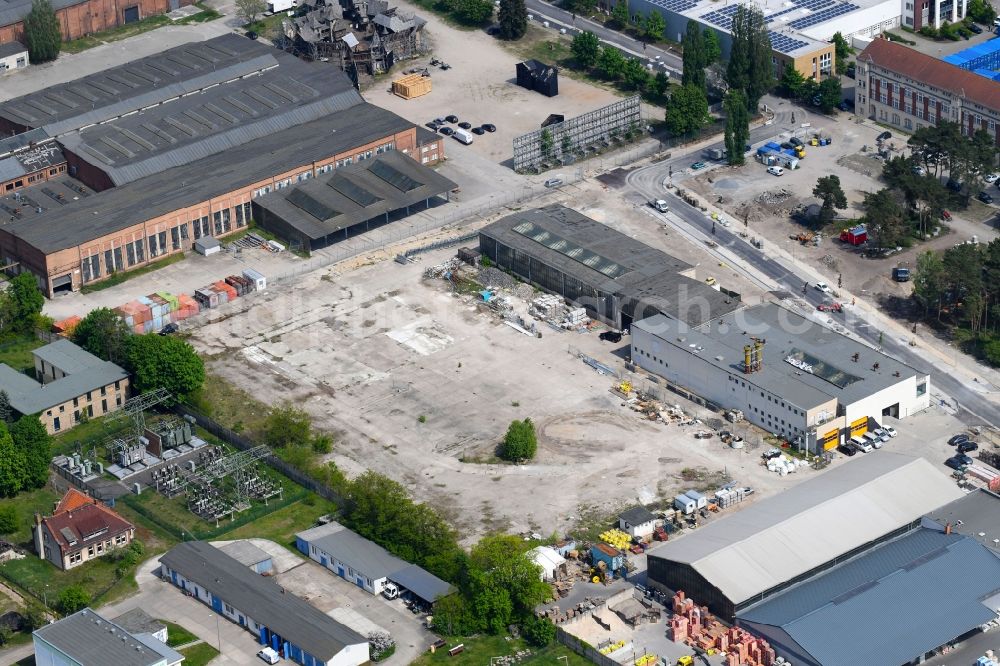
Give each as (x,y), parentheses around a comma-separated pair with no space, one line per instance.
(311,205)
(559,244)
(783,43)
(393,176)
(823,16)
(352,191)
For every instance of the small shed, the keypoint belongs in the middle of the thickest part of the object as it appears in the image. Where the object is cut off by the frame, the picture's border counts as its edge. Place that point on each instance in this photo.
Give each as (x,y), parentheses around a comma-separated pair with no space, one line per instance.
(537,76)
(207,245)
(553,564)
(259,281)
(700,501)
(13,55)
(685,504)
(602,552)
(249,555)
(411,85)
(638,522)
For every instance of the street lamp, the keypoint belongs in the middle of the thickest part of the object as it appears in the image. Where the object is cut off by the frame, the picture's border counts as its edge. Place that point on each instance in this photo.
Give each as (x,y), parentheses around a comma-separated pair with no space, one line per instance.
(218,632)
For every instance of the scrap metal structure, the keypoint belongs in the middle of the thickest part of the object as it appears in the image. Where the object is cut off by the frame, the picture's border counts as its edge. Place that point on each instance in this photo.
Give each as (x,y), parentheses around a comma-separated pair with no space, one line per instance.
(362,37)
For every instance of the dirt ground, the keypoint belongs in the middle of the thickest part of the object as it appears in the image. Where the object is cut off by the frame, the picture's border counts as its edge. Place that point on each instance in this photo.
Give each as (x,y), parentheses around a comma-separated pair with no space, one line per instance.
(773,199)
(480,88)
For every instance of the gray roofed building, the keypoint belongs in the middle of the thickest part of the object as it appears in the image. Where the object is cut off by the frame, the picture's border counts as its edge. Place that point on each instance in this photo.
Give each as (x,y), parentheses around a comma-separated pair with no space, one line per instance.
(733,562)
(616,277)
(369,190)
(637,515)
(249,555)
(88,639)
(65,358)
(891,605)
(12,48)
(94,216)
(11,168)
(138,622)
(283,613)
(140,83)
(977,515)
(420,582)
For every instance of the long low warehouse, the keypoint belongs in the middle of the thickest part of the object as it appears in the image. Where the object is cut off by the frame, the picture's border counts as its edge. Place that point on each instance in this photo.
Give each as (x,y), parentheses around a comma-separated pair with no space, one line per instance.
(296,629)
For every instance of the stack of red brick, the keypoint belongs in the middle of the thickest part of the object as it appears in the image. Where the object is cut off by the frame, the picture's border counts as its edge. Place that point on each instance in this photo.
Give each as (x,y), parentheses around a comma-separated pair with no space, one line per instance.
(695,626)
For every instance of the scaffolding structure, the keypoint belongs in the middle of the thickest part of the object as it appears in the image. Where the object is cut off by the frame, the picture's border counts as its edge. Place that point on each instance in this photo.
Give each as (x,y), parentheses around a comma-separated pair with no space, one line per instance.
(561,143)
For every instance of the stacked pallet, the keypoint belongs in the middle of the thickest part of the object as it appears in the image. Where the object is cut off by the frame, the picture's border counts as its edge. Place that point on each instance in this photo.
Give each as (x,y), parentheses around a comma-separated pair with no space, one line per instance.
(229,289)
(148,314)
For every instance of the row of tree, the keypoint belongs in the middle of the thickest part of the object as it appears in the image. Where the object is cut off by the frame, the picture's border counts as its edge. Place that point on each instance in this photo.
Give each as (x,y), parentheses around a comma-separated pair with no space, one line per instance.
(25,452)
(612,65)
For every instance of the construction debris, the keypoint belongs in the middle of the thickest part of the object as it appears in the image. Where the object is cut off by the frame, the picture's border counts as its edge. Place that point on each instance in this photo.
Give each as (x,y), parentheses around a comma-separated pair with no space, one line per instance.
(494,279)
(773,196)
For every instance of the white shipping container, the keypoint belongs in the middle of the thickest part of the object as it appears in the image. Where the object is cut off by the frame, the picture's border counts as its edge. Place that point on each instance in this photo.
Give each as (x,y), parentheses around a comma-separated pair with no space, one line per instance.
(275,6)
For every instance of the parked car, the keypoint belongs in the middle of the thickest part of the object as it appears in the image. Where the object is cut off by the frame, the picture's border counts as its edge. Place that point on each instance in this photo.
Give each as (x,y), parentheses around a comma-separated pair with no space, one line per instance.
(269,655)
(965,447)
(553,182)
(451,119)
(698,165)
(169,329)
(847,449)
(882,434)
(985,197)
(945,215)
(919,170)
(611,336)
(975,29)
(822,286)
(861,444)
(796,141)
(991,177)
(958,439)
(962,458)
(660,205)
(490,127)
(478,130)
(432,125)
(447,131)
(884,136)
(953,185)
(954,463)
(873,439)
(464,125)
(252,35)
(776,171)
(851,71)
(889,430)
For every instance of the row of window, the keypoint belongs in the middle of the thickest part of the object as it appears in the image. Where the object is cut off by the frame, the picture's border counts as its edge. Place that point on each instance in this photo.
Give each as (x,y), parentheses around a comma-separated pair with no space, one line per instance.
(776,401)
(326,168)
(15,184)
(115,259)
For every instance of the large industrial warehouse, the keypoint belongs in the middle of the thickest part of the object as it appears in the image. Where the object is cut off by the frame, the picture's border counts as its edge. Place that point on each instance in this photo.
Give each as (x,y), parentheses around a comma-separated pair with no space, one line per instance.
(616,278)
(172,147)
(750,556)
(785,373)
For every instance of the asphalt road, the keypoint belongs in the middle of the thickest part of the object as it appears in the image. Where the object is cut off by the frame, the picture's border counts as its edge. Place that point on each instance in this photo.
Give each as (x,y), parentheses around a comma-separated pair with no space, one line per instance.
(648,182)
(574,24)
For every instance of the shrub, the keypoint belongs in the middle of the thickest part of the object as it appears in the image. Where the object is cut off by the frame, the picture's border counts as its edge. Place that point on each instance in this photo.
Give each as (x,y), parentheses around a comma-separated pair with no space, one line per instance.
(520,442)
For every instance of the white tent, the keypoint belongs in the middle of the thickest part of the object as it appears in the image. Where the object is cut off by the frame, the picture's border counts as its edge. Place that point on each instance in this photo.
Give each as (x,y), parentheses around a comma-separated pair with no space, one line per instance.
(548,559)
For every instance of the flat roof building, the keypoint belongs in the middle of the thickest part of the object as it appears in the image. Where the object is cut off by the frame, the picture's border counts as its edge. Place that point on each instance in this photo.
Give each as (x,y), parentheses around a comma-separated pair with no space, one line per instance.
(296,629)
(895,604)
(616,278)
(976,515)
(87,639)
(750,556)
(158,153)
(805,382)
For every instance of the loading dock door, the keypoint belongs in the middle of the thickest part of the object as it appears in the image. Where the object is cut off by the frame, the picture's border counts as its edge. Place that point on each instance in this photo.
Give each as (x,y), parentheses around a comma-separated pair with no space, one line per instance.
(131,14)
(830,440)
(859,426)
(63,283)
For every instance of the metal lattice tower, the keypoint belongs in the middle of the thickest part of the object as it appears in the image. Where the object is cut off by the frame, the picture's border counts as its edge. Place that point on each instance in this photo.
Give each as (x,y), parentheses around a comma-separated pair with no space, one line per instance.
(135,409)
(235,465)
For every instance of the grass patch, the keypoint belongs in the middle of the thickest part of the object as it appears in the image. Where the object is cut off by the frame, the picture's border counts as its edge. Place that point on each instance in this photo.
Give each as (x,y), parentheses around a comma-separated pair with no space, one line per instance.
(282,525)
(87,435)
(199,655)
(893,37)
(130,30)
(27,504)
(481,649)
(230,405)
(44,581)
(16,351)
(178,635)
(122,276)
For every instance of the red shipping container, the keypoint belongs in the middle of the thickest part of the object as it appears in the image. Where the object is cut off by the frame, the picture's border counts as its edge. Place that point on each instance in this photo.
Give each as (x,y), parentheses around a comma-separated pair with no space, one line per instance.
(222,286)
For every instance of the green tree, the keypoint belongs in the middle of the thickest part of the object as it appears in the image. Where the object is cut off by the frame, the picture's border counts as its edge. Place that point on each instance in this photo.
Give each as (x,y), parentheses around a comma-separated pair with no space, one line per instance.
(792,83)
(545,143)
(453,616)
(586,49)
(687,110)
(929,281)
(737,126)
(34,615)
(711,46)
(520,442)
(828,190)
(830,94)
(505,585)
(12,465)
(694,61)
(841,53)
(41,31)
(286,425)
(884,218)
(163,361)
(72,599)
(473,12)
(248,10)
(26,300)
(539,631)
(611,62)
(6,411)
(104,334)
(513,19)
(750,66)
(33,442)
(654,25)
(981,11)
(620,15)
(660,83)
(635,74)
(585,7)
(8,519)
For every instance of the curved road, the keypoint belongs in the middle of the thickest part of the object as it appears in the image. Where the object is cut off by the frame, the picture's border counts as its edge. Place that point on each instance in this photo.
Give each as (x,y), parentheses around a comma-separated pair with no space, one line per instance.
(649,182)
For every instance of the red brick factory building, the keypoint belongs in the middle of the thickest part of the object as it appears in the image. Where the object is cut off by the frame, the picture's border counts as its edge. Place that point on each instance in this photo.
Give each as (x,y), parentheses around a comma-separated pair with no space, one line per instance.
(113,170)
(82,17)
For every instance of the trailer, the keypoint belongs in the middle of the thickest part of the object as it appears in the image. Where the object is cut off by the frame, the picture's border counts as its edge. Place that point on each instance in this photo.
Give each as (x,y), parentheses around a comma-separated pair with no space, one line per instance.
(855,235)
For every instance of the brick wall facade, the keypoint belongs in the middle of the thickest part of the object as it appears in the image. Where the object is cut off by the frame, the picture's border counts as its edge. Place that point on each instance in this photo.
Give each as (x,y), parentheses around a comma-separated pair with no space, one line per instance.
(95,16)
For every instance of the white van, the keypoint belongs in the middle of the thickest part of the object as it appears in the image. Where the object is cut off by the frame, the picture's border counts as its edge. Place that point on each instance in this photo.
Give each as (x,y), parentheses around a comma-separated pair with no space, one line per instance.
(463,136)
(775,171)
(861,444)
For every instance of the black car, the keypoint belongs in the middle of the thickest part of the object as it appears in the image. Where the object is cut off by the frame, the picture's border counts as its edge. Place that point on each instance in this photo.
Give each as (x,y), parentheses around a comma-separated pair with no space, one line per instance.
(965,447)
(975,29)
(953,185)
(788,145)
(954,463)
(985,197)
(611,336)
(252,35)
(796,141)
(958,439)
(451,119)
(843,106)
(169,329)
(847,449)
(465,125)
(490,127)
(478,130)
(447,131)
(884,136)
(432,124)
(851,72)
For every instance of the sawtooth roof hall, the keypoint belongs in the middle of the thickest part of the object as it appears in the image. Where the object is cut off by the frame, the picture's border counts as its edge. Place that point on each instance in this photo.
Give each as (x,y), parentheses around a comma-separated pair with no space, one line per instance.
(172,147)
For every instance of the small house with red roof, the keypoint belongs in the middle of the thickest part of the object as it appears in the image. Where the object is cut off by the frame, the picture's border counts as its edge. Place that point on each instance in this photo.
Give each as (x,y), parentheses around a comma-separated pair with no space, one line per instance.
(80,529)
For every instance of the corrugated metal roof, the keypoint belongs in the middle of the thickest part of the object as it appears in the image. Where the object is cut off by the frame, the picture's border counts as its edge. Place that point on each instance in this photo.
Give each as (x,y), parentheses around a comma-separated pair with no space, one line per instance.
(265,601)
(245,552)
(12,48)
(783,536)
(422,583)
(10,168)
(350,548)
(67,357)
(93,641)
(890,605)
